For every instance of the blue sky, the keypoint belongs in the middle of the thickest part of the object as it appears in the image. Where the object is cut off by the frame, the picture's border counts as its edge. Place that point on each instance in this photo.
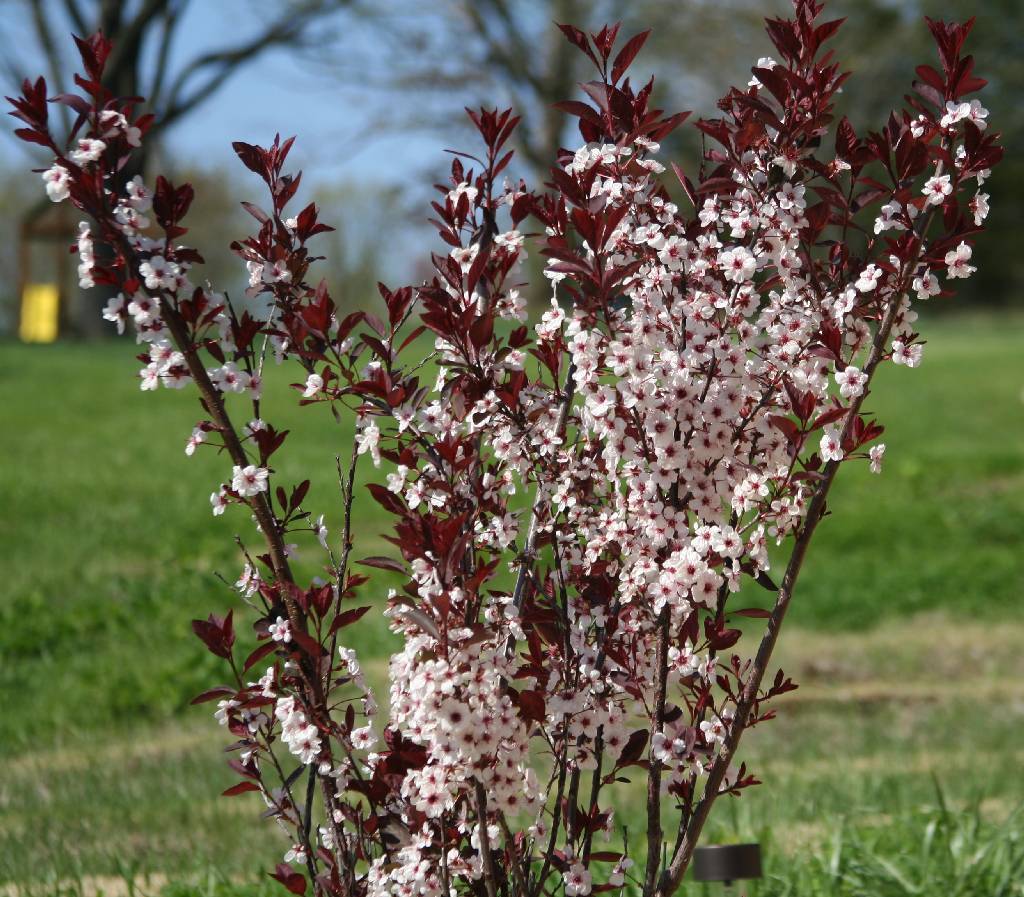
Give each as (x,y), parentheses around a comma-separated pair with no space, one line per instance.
(279,93)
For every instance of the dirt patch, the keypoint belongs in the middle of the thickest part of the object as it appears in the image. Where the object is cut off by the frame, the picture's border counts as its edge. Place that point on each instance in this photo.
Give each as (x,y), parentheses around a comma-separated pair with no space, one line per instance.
(91,886)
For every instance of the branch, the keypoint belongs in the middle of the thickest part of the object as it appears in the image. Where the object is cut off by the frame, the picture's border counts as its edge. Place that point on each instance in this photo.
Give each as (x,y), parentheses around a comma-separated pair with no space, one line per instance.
(347,484)
(672,876)
(490,876)
(528,555)
(513,60)
(53,60)
(287,29)
(75,14)
(215,403)
(109,17)
(170,23)
(654,831)
(556,814)
(129,37)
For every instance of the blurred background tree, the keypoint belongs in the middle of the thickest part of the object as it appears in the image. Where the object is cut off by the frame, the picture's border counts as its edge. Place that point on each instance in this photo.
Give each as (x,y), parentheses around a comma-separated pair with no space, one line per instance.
(465,52)
(401,72)
(143,33)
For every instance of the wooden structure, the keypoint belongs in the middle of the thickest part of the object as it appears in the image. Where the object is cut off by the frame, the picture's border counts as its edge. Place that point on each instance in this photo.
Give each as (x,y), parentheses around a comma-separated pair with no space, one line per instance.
(47,285)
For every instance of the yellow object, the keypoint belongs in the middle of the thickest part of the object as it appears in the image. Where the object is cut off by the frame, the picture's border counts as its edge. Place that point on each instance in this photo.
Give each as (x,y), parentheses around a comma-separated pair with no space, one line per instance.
(39,313)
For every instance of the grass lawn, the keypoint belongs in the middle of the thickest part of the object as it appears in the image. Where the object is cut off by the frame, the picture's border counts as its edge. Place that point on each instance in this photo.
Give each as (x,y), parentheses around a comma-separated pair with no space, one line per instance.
(905,639)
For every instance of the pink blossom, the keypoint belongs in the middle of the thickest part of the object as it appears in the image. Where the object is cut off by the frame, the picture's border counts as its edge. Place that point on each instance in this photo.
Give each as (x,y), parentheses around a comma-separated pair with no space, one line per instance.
(851,381)
(280,631)
(937,188)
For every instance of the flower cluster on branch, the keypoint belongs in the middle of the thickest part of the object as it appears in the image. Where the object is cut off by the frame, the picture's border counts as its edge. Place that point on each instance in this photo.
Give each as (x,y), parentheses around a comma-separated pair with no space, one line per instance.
(579,501)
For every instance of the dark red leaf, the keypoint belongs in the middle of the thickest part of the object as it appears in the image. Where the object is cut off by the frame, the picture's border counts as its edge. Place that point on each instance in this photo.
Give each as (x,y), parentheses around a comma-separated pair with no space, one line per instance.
(633,749)
(348,617)
(240,788)
(221,691)
(383,563)
(531,703)
(257,655)
(627,54)
(292,880)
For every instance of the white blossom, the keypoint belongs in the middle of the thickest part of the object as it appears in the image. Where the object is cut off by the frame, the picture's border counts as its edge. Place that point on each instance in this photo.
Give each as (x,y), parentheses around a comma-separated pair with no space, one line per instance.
(314,383)
(876,453)
(249,480)
(831,445)
(851,381)
(58,183)
(956,262)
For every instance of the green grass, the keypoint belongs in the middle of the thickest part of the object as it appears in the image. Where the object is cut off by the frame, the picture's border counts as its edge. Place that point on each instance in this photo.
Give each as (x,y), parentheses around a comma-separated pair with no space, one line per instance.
(942,526)
(853,761)
(108,549)
(108,544)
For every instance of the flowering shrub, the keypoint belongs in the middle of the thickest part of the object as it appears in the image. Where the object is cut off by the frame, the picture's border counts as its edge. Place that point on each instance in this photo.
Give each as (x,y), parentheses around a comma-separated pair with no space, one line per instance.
(577,504)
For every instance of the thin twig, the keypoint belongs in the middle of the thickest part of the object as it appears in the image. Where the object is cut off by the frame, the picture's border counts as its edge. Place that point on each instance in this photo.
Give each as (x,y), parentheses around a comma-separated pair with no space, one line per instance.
(528,555)
(654,831)
(490,876)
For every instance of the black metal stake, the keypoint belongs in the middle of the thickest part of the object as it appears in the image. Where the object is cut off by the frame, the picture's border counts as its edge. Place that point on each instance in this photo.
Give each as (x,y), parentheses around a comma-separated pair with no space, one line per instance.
(727,863)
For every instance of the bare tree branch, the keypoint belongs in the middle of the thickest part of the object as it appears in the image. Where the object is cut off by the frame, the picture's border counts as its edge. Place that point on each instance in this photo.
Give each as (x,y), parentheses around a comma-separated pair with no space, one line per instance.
(53,58)
(129,26)
(287,29)
(75,14)
(507,50)
(129,38)
(171,18)
(110,16)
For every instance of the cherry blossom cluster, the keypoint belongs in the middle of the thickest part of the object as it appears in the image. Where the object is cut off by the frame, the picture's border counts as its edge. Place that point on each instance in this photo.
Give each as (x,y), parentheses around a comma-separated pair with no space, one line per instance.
(193,336)
(685,401)
(583,500)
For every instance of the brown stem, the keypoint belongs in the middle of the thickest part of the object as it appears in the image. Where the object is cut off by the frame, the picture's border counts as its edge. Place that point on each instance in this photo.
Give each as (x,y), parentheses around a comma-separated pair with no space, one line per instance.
(490,876)
(572,797)
(214,403)
(347,483)
(556,813)
(528,555)
(520,866)
(681,859)
(654,830)
(595,791)
(596,779)
(265,517)
(341,844)
(672,876)
(302,830)
(685,846)
(446,888)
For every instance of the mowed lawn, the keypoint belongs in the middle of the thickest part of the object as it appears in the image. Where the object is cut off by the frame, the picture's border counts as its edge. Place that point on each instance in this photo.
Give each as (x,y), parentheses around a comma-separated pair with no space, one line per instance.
(898,758)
